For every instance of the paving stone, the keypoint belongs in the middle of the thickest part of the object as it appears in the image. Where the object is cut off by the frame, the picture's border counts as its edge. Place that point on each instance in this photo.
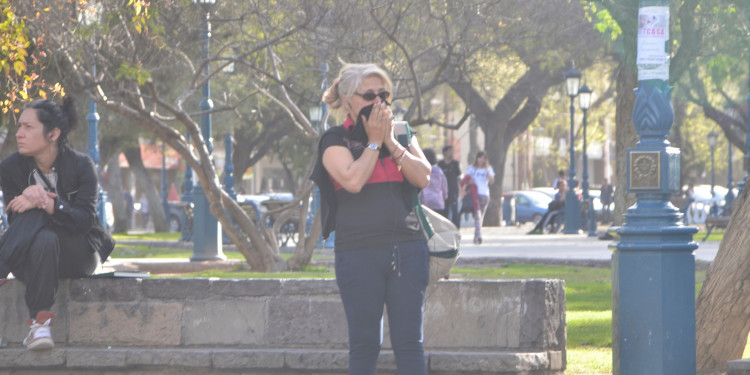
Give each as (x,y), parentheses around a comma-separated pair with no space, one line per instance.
(488,362)
(306,321)
(12,358)
(318,360)
(93,358)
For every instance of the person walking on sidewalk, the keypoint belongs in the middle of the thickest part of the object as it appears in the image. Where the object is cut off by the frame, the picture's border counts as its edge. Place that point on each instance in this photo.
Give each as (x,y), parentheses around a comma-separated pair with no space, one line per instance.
(452,171)
(482,176)
(381,256)
(50,193)
(434,195)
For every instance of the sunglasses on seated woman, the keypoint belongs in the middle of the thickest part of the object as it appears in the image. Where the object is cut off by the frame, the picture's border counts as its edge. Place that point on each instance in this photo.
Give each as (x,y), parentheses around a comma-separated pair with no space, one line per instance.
(369,95)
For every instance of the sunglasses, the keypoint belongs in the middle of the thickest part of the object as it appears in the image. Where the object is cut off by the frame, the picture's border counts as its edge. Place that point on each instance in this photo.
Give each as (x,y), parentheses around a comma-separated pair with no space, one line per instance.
(369,95)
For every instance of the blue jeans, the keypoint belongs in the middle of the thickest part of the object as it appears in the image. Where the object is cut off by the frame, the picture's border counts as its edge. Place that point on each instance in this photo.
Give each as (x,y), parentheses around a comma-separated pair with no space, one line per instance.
(394,275)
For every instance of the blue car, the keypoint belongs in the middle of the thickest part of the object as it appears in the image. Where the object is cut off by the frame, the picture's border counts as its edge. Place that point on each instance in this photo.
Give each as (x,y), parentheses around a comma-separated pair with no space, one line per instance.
(531,205)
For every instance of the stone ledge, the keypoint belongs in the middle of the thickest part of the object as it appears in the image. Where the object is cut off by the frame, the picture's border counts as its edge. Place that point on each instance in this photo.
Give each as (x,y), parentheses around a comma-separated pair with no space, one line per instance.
(738,367)
(255,361)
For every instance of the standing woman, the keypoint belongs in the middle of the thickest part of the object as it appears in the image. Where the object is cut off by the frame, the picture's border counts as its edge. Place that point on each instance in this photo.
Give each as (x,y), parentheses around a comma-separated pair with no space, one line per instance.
(50,193)
(381,254)
(482,175)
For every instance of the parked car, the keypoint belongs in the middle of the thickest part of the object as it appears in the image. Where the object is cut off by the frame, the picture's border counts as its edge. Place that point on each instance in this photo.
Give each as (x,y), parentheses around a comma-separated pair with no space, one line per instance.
(700,208)
(531,205)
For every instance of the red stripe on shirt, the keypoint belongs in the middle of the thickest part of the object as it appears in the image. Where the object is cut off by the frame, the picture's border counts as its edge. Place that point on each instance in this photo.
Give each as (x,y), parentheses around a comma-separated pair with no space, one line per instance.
(385,170)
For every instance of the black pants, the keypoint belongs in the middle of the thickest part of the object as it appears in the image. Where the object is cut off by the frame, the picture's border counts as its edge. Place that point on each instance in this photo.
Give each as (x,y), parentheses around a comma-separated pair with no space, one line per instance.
(40,253)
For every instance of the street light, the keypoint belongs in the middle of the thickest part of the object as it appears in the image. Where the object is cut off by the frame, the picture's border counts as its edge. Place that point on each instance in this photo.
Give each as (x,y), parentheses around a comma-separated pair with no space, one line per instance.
(713,139)
(89,16)
(206,229)
(584,101)
(572,205)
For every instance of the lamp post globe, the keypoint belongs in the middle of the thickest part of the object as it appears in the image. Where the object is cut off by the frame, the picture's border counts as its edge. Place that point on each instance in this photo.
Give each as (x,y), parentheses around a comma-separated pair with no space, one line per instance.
(572,204)
(584,101)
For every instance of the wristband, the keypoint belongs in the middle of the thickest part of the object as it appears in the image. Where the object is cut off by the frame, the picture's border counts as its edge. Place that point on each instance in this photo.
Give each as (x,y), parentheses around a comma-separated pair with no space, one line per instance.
(402,154)
(401,160)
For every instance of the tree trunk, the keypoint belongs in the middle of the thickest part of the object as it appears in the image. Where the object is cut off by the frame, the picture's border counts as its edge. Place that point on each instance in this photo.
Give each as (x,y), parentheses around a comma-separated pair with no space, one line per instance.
(497,153)
(116,196)
(627,81)
(722,313)
(133,154)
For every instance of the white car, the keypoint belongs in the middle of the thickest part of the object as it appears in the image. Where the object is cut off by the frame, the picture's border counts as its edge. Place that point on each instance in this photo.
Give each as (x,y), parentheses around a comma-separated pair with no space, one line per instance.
(700,208)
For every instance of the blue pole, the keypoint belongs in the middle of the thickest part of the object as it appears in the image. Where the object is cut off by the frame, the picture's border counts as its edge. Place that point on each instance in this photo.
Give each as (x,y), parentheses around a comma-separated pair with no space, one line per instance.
(653,267)
(586,194)
(206,229)
(572,204)
(187,199)
(229,167)
(729,199)
(93,150)
(164,203)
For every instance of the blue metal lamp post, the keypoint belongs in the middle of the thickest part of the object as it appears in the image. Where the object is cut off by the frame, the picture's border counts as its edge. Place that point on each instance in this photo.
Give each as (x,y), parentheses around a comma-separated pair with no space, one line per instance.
(206,229)
(653,267)
(713,139)
(584,101)
(88,17)
(572,204)
(229,167)
(164,203)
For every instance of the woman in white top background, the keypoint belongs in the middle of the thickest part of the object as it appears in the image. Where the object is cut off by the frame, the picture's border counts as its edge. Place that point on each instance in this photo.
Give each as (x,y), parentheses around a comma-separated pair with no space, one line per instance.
(482,175)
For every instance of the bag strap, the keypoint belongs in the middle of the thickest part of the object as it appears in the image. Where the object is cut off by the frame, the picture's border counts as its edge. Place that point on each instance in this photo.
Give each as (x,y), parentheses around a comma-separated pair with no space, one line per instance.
(416,204)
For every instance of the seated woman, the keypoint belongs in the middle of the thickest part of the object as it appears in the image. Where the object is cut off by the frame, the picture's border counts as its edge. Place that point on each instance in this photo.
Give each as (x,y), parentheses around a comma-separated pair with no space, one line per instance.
(557,204)
(50,194)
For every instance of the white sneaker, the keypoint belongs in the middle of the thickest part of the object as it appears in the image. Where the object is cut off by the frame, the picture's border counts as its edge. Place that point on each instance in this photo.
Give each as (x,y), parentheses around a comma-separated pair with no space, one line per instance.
(39,336)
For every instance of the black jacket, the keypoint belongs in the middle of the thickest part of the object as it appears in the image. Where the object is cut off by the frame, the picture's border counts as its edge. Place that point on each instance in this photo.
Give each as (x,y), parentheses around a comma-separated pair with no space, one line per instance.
(77,194)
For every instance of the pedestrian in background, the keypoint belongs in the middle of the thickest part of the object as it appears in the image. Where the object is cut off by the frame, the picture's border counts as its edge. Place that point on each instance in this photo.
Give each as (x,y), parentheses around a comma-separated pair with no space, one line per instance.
(144,210)
(452,171)
(482,176)
(435,194)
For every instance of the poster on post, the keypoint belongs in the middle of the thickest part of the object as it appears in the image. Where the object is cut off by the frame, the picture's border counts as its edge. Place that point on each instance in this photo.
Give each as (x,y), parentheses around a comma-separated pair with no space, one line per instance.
(653,43)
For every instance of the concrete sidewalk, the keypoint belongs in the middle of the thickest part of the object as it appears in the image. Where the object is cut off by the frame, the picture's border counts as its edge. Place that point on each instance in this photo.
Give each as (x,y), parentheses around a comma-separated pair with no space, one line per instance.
(500,245)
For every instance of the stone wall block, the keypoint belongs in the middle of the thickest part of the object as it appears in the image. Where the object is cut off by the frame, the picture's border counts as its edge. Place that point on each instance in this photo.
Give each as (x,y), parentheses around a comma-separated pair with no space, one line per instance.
(176,288)
(136,324)
(96,358)
(12,358)
(13,313)
(492,362)
(456,311)
(246,359)
(543,323)
(246,288)
(224,322)
(307,321)
(105,289)
(307,287)
(336,360)
(169,357)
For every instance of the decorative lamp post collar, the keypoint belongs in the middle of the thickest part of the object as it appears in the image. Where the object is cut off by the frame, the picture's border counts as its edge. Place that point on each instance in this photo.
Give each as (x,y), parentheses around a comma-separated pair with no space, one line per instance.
(713,139)
(572,79)
(584,97)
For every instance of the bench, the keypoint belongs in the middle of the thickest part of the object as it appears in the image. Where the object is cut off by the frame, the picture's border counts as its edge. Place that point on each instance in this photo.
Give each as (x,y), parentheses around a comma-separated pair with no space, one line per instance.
(212,326)
(713,222)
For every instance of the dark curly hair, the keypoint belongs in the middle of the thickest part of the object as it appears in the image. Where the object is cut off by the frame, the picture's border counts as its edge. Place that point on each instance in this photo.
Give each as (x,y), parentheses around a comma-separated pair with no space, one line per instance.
(52,115)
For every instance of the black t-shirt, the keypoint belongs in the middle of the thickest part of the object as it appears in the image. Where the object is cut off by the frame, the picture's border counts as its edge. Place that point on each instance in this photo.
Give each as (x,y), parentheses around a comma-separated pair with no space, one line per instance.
(377,215)
(452,172)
